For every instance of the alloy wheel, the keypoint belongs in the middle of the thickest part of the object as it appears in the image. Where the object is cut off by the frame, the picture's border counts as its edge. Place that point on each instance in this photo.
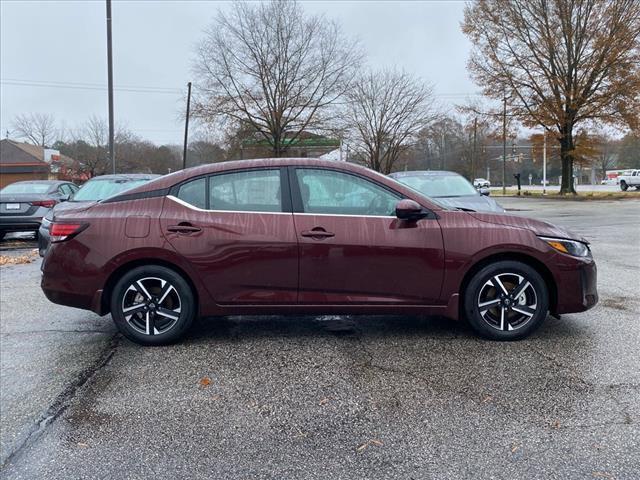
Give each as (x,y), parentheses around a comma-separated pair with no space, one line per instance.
(151,306)
(507,301)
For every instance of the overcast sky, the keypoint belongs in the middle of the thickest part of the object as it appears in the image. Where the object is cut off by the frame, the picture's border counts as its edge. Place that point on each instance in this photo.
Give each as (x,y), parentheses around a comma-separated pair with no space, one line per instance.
(53,55)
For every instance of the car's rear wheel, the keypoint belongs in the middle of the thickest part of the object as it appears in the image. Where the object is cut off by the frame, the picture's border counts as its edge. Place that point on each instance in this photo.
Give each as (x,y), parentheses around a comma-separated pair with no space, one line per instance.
(152,305)
(623,186)
(506,300)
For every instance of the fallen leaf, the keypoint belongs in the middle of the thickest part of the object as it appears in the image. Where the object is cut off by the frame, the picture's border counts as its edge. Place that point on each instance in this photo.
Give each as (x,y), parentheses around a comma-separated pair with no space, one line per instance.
(19,260)
(82,445)
(324,401)
(362,447)
(205,381)
(556,424)
(515,447)
(367,444)
(602,475)
(487,399)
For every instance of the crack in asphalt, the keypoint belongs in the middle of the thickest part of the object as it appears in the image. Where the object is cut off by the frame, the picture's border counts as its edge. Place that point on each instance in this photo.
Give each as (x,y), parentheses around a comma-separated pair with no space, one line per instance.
(61,402)
(53,330)
(607,390)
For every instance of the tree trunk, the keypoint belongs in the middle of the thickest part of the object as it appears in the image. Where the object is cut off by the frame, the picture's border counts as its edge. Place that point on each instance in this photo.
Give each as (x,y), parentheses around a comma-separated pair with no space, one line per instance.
(566,156)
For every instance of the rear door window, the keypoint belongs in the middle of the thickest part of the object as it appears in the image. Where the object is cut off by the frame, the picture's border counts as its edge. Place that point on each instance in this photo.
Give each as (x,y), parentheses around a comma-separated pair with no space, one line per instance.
(248,191)
(194,193)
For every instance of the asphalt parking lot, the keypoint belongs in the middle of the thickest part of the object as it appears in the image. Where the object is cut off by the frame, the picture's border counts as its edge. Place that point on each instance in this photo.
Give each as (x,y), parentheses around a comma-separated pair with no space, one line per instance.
(332,397)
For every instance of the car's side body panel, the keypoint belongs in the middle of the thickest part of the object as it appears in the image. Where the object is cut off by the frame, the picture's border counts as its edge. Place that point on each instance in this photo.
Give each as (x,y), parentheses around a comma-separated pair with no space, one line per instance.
(240,257)
(370,260)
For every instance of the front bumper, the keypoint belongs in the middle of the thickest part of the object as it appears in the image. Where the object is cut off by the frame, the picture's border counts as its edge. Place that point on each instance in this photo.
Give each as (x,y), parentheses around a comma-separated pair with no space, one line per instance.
(577,286)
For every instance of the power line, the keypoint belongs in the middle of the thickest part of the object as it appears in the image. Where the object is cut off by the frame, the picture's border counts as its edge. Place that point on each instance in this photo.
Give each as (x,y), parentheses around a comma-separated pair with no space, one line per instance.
(88,86)
(153,89)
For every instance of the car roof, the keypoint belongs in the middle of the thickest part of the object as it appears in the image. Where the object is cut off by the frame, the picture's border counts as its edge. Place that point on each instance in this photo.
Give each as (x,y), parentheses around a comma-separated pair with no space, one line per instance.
(127,176)
(46,182)
(430,173)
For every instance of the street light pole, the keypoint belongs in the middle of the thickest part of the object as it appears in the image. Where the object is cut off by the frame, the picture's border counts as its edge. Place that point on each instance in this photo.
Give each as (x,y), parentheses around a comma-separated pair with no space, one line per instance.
(504,145)
(112,155)
(544,163)
(473,153)
(186,127)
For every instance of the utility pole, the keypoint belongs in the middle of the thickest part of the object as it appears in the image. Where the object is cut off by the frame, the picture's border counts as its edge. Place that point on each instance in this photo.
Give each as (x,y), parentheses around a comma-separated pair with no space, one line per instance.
(504,145)
(444,152)
(473,153)
(186,127)
(544,163)
(112,155)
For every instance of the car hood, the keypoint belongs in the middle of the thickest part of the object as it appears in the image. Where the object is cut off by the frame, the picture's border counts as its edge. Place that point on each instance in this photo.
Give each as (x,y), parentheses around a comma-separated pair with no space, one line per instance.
(477,203)
(536,226)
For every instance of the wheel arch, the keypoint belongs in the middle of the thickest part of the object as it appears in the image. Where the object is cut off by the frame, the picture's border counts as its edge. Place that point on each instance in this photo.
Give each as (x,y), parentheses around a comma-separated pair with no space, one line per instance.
(118,273)
(529,260)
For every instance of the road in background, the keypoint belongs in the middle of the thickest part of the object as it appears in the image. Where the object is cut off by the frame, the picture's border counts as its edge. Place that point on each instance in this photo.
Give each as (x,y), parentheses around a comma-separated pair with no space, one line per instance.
(339,397)
(556,188)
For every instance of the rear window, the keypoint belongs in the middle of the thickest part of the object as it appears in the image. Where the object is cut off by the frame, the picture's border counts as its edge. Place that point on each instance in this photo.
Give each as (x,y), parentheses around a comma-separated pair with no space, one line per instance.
(95,190)
(26,188)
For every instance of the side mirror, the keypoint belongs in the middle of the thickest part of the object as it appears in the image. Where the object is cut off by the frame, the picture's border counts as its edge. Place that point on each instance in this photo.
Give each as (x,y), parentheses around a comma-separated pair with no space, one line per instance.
(409,210)
(485,191)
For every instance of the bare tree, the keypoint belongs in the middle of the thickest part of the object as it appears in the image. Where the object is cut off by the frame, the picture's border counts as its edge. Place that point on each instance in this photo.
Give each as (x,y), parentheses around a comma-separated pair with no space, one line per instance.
(270,67)
(606,152)
(37,128)
(561,63)
(385,112)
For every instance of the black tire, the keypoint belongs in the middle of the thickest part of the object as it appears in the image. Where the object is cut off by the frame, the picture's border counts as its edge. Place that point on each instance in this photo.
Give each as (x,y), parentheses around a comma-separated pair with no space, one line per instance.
(159,317)
(524,311)
(623,186)
(2,235)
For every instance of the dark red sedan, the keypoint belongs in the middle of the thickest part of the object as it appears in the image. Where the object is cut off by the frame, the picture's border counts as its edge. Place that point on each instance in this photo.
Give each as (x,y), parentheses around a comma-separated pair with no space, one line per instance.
(307,236)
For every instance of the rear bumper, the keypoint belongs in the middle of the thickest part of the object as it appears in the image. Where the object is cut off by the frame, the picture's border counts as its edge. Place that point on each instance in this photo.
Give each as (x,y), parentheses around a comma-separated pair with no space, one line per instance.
(19,224)
(577,287)
(65,280)
(43,240)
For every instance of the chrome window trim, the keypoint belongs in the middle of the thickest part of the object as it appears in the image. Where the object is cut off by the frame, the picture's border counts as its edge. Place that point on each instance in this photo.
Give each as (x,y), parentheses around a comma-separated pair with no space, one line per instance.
(198,209)
(343,215)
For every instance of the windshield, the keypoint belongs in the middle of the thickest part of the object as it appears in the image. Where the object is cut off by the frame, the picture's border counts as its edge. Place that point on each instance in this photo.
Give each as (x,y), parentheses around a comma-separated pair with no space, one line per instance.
(95,190)
(438,186)
(26,188)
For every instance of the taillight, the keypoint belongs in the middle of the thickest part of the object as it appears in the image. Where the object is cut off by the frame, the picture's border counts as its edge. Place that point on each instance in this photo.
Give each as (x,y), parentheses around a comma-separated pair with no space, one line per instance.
(44,203)
(60,232)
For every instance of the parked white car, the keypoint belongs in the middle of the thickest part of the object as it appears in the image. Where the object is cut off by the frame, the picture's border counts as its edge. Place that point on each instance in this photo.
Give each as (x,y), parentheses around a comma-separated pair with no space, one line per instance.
(630,179)
(481,183)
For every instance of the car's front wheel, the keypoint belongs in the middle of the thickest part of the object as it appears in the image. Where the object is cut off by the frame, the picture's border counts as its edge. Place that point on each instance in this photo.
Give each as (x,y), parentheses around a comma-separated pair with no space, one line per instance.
(623,186)
(152,305)
(506,300)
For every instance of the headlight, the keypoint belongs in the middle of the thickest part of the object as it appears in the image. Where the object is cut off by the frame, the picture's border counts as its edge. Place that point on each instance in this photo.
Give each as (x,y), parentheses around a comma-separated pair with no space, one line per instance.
(570,247)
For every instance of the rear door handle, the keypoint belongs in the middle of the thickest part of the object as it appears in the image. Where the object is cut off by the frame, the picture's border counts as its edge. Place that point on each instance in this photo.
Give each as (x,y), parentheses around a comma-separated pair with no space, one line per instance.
(183,229)
(317,234)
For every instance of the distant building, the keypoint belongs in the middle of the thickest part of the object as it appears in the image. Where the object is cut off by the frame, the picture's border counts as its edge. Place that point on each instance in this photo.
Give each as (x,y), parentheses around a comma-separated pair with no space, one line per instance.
(305,145)
(23,161)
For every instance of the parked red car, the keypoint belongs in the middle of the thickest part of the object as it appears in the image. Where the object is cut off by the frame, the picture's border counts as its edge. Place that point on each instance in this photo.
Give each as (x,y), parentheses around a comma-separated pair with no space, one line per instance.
(300,236)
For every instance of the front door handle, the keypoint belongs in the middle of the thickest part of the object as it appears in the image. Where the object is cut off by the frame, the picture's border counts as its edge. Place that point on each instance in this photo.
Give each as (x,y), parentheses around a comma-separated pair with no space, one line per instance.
(183,228)
(317,233)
